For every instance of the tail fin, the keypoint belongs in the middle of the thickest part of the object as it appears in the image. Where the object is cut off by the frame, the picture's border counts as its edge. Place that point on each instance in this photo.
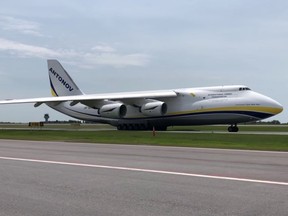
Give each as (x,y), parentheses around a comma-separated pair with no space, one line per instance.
(60,81)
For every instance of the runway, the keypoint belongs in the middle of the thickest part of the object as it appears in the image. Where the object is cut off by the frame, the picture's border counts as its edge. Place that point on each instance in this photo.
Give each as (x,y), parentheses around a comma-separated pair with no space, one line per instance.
(56,178)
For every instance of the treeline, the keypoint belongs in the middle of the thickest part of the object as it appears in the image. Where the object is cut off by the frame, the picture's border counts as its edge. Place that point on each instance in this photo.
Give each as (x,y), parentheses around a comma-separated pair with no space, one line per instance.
(273,122)
(63,122)
(48,122)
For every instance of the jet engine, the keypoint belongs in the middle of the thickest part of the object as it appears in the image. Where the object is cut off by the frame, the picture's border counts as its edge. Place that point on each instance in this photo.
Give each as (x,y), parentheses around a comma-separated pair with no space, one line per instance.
(114,110)
(156,108)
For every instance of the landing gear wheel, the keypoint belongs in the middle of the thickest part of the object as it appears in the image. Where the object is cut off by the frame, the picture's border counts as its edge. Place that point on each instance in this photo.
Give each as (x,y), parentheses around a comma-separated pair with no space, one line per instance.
(233,128)
(230,129)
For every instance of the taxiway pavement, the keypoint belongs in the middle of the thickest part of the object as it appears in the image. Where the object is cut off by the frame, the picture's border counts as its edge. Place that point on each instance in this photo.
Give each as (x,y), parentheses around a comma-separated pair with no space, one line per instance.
(57,178)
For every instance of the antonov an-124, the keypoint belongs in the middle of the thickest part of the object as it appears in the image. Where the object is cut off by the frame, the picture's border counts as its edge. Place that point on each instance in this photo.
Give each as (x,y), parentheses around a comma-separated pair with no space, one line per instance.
(144,110)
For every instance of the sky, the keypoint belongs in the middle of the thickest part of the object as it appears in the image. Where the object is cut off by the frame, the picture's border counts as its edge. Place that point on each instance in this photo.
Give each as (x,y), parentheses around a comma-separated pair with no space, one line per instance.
(127,45)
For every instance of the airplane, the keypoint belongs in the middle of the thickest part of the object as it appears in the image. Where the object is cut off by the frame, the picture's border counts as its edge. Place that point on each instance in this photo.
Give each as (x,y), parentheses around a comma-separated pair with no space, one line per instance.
(147,110)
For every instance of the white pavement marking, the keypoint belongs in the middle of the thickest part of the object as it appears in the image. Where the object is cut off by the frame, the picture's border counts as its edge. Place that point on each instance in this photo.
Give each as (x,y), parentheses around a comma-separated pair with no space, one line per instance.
(147,171)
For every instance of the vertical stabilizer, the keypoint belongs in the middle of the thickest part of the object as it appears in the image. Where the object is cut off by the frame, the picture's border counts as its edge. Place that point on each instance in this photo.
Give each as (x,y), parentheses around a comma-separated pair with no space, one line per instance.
(60,81)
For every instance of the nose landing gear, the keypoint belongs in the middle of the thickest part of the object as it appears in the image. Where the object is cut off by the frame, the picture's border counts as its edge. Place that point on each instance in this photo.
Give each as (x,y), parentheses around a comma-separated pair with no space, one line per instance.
(233,128)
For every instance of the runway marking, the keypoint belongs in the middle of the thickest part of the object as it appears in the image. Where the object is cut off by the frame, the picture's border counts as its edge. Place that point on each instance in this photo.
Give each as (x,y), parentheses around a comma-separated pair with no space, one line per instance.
(147,171)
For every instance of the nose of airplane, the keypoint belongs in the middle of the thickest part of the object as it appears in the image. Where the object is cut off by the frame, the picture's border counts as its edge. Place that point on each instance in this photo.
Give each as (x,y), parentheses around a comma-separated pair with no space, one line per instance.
(272,106)
(278,108)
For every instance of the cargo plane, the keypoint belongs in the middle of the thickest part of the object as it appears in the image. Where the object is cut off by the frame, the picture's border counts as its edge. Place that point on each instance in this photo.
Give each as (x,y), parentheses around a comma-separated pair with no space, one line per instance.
(144,110)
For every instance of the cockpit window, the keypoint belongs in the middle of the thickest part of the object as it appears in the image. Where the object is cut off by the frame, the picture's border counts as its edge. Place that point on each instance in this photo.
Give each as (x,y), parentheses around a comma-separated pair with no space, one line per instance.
(244,89)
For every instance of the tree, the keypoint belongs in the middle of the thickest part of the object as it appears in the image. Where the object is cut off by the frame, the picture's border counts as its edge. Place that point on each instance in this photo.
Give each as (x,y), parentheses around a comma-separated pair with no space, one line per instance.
(46,117)
(275,122)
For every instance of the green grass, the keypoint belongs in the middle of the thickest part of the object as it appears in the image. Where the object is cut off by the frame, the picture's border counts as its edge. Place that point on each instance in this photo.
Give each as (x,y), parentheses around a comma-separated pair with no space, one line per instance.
(205,140)
(57,126)
(270,128)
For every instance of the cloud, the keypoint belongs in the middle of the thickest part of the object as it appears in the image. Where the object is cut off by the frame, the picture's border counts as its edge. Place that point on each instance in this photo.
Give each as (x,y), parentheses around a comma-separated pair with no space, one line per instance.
(25,50)
(115,59)
(19,25)
(103,48)
(98,55)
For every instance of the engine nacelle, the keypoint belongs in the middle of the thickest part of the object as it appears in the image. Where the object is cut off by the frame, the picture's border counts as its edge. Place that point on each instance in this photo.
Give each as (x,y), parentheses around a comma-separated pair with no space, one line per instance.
(156,108)
(114,110)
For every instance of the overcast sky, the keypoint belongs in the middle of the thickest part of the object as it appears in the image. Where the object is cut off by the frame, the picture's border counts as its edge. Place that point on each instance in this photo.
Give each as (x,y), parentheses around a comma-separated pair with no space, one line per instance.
(128,45)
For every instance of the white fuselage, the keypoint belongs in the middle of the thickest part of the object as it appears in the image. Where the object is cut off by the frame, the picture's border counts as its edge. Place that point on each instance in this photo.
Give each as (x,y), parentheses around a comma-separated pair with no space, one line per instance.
(192,106)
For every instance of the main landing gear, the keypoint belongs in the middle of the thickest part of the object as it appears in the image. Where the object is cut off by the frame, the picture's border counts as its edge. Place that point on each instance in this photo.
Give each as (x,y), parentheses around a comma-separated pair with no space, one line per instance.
(233,128)
(141,127)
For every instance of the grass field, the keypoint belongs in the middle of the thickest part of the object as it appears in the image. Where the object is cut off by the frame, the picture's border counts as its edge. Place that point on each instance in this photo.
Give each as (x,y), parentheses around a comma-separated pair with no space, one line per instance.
(203,140)
(270,128)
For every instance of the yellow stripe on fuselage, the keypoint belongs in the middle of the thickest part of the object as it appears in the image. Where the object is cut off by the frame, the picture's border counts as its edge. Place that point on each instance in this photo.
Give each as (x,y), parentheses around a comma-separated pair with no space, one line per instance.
(261,109)
(53,93)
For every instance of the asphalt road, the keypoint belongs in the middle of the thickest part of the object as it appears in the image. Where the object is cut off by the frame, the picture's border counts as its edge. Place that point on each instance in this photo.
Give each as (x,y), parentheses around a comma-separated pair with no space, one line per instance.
(55,178)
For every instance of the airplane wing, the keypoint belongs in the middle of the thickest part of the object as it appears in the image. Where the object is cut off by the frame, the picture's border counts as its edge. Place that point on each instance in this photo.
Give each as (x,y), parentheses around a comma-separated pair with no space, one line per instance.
(94,97)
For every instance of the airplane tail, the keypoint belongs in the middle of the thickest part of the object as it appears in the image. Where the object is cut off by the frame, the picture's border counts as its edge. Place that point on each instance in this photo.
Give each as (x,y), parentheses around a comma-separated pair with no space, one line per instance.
(60,81)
